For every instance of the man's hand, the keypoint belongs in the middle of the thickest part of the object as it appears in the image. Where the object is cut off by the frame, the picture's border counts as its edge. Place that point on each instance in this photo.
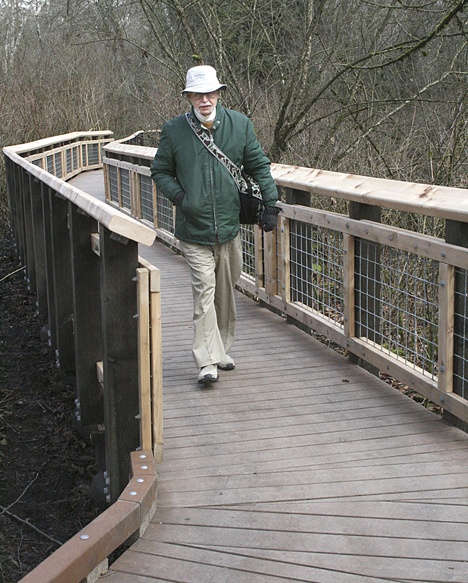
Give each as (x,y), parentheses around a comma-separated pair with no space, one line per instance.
(269,218)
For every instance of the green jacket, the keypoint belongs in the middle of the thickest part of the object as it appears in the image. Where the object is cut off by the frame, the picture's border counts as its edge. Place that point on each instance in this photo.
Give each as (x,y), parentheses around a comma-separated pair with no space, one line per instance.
(210,208)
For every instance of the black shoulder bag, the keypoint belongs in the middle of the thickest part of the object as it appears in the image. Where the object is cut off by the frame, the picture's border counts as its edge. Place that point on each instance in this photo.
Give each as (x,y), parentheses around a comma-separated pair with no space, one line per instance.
(251,203)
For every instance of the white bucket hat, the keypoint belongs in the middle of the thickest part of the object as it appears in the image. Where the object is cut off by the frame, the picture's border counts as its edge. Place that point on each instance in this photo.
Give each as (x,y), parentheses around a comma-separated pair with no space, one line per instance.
(202,79)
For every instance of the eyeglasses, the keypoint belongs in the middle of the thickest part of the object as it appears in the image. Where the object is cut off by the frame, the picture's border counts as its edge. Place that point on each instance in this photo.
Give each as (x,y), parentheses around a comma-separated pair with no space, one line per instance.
(199,96)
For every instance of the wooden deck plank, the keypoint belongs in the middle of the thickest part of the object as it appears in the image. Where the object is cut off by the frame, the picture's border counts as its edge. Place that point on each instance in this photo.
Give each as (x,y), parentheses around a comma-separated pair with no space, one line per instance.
(334,568)
(238,566)
(296,466)
(305,462)
(347,542)
(447,518)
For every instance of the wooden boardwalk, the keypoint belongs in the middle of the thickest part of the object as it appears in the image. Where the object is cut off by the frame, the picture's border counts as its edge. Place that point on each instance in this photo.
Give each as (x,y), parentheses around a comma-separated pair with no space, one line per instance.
(296,466)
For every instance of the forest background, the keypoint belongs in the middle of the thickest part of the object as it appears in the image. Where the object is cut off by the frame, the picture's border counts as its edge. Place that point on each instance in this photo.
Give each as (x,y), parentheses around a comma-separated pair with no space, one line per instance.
(371,87)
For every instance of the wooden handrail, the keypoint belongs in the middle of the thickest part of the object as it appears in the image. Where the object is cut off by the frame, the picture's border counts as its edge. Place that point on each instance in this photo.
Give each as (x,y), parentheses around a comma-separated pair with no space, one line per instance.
(119,147)
(87,551)
(113,219)
(47,143)
(437,201)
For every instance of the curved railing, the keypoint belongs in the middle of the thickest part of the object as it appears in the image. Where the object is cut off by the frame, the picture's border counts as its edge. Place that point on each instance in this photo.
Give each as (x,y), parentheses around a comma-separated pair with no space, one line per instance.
(394,298)
(99,298)
(84,557)
(102,305)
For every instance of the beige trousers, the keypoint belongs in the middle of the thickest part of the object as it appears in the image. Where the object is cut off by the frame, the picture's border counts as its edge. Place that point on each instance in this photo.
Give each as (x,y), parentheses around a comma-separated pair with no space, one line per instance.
(215,271)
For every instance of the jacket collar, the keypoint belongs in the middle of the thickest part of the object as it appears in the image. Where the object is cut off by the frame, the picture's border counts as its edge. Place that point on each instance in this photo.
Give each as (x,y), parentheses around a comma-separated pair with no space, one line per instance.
(218,118)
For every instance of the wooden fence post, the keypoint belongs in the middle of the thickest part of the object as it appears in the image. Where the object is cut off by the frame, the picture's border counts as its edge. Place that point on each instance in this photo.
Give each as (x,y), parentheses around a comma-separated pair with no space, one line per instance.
(87,317)
(28,233)
(39,245)
(119,262)
(62,282)
(19,208)
(456,233)
(11,171)
(366,282)
(46,195)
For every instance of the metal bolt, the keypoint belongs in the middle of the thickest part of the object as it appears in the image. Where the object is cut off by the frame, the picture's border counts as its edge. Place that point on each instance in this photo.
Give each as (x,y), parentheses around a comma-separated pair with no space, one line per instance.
(444,254)
(84,537)
(144,467)
(133,493)
(140,480)
(143,456)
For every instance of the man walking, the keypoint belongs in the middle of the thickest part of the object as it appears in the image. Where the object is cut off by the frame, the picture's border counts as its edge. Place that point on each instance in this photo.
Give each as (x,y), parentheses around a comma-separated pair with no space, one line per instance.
(207,210)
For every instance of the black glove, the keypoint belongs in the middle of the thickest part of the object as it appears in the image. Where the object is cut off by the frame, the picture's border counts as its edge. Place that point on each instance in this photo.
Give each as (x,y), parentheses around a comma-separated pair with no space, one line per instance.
(269,218)
(179,197)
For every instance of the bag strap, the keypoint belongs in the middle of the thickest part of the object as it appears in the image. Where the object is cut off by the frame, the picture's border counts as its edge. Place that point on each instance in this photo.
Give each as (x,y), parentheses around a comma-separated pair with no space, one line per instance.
(207,141)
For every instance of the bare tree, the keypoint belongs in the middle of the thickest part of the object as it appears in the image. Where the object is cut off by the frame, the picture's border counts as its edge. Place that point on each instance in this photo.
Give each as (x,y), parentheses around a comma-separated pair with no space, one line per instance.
(365,86)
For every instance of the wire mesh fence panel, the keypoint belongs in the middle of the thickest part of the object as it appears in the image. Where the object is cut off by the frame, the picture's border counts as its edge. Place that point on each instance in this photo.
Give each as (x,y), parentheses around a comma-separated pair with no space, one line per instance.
(165,218)
(50,164)
(316,269)
(248,250)
(125,188)
(93,154)
(113,183)
(69,161)
(58,164)
(460,357)
(407,299)
(146,198)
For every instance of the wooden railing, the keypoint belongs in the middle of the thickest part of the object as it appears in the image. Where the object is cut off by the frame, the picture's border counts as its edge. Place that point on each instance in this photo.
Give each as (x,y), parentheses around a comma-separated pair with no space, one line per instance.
(84,557)
(101,301)
(395,299)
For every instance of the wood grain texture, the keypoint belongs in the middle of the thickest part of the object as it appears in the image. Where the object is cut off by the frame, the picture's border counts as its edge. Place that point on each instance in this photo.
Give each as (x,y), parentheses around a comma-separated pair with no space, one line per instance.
(296,466)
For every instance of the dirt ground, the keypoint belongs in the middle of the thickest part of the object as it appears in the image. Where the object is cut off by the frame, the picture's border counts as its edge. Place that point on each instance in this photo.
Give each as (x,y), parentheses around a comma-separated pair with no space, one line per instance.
(46,467)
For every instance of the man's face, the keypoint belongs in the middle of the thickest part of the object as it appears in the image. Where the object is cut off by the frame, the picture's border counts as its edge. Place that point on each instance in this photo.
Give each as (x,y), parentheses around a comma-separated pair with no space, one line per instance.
(204,103)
